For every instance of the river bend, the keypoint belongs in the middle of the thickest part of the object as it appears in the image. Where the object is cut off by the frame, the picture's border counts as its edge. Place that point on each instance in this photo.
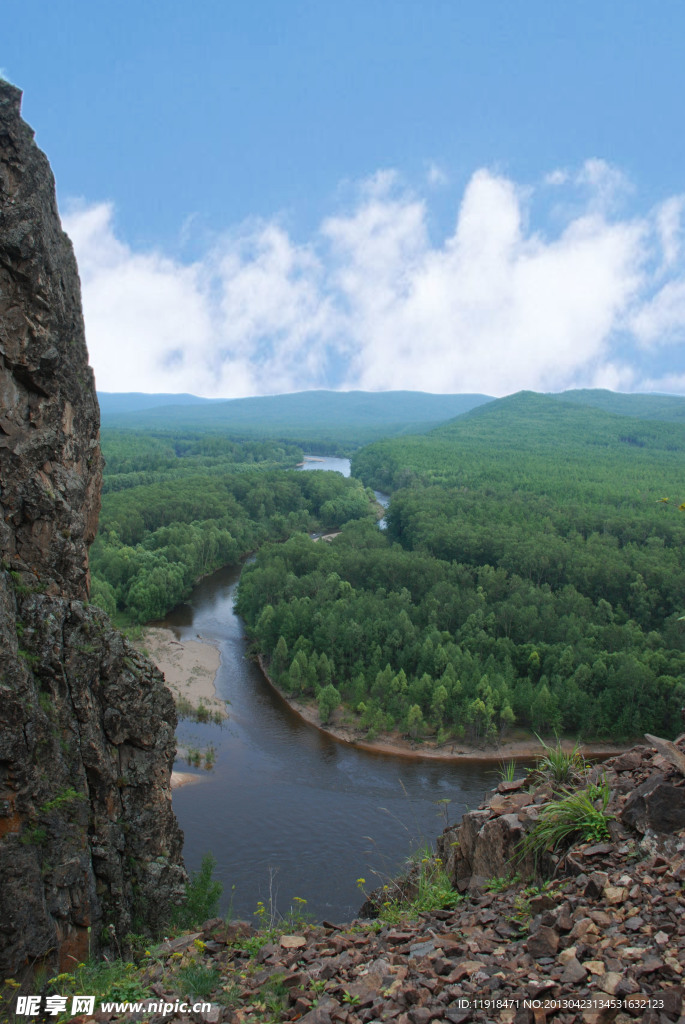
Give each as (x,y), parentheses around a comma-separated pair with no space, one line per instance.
(287,806)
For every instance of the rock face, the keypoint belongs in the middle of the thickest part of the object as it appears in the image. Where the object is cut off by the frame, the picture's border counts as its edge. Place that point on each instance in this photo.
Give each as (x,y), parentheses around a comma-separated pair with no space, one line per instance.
(89,846)
(647,786)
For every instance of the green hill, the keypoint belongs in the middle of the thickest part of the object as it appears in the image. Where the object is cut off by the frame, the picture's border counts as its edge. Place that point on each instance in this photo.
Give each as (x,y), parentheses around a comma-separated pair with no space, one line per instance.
(113,403)
(670,408)
(537,443)
(323,420)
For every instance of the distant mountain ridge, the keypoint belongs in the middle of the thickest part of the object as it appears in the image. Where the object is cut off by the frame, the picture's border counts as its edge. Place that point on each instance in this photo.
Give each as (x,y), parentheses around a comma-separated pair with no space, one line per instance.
(335,417)
(419,406)
(528,420)
(113,403)
(339,422)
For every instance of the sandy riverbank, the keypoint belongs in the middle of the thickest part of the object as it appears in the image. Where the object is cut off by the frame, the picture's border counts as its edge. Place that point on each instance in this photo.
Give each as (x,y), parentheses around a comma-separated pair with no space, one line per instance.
(190,669)
(398,746)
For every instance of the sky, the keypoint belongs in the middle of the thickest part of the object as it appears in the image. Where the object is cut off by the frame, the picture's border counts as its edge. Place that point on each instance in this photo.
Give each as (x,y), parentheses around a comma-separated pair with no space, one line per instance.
(442,195)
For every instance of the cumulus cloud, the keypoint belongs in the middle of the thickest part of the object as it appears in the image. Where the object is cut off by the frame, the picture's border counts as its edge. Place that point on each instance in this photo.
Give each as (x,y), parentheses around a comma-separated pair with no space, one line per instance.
(246,319)
(371,301)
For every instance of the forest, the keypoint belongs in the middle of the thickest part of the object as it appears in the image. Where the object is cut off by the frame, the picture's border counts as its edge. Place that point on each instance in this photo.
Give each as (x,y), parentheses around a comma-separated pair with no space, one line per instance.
(178,506)
(531,573)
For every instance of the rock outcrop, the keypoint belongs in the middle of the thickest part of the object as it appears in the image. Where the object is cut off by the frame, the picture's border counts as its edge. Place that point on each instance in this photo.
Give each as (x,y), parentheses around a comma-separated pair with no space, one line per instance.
(647,787)
(89,846)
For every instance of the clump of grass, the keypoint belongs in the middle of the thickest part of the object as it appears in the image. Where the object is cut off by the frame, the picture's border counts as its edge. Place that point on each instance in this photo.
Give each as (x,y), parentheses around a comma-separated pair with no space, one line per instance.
(506,771)
(273,998)
(202,896)
(297,918)
(500,883)
(575,817)
(522,903)
(196,713)
(559,766)
(197,981)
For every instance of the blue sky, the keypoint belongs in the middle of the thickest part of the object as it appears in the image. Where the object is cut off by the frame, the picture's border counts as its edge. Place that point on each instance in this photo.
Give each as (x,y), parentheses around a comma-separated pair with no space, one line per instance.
(434,194)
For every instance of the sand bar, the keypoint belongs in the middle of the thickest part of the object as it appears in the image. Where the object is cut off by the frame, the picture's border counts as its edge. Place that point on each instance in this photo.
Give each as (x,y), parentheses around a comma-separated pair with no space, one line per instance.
(184,779)
(189,667)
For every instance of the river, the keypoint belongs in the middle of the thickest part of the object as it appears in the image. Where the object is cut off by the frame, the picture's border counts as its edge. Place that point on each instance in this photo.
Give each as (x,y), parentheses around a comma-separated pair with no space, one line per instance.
(287,807)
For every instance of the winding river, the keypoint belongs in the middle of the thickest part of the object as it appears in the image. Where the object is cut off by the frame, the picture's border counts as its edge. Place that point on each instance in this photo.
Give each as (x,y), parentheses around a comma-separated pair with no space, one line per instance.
(288,811)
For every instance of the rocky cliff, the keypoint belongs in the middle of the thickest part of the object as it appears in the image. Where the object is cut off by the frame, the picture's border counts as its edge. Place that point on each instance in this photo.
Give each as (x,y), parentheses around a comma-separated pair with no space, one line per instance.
(89,846)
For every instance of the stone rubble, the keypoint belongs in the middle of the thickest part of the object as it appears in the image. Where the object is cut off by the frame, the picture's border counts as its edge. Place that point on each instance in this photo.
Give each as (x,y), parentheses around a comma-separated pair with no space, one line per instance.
(603,940)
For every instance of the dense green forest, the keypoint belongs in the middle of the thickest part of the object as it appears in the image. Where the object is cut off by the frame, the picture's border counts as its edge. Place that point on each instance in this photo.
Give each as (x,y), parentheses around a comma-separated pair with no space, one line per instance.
(532,571)
(178,506)
(531,575)
(670,408)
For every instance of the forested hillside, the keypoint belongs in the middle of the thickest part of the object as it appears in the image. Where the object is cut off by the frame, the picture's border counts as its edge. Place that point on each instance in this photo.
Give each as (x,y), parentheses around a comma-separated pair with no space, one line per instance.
(646,407)
(532,572)
(331,422)
(178,506)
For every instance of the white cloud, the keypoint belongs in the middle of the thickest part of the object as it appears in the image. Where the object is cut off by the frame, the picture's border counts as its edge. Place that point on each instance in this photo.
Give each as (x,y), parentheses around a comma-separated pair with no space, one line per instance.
(662,320)
(666,384)
(234,323)
(669,226)
(371,302)
(492,309)
(558,177)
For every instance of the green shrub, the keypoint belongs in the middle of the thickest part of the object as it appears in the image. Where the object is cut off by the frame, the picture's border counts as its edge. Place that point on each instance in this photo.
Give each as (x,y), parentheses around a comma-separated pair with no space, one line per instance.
(426,887)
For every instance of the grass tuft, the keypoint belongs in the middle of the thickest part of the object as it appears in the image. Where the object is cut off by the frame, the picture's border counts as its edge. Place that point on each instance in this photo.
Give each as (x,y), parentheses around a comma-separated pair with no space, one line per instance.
(575,817)
(560,766)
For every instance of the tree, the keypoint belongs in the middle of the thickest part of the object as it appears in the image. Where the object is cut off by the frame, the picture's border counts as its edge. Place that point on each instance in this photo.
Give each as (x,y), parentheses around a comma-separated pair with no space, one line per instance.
(414,721)
(329,699)
(280,658)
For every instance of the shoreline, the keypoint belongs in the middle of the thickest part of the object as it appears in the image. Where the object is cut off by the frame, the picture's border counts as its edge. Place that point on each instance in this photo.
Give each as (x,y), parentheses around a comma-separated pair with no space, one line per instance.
(396,746)
(189,668)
